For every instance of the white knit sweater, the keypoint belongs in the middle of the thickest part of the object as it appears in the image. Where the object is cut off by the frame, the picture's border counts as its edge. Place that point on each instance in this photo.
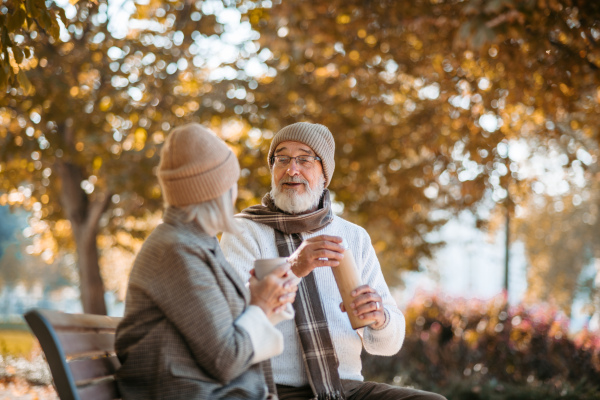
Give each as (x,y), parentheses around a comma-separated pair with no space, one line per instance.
(258,241)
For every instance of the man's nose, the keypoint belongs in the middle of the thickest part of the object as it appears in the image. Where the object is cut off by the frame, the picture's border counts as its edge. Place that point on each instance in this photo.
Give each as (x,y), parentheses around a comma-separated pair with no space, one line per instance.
(293,169)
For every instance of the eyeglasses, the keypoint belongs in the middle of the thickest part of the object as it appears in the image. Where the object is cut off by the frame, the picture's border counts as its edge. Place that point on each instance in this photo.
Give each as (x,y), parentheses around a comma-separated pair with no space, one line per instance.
(302,161)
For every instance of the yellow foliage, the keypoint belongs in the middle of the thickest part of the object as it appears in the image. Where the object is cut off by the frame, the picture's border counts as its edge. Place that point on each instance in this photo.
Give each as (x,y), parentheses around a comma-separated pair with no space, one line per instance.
(470,336)
(105,103)
(380,246)
(564,88)
(369,94)
(97,163)
(371,40)
(343,19)
(16,343)
(140,136)
(158,137)
(156,193)
(62,228)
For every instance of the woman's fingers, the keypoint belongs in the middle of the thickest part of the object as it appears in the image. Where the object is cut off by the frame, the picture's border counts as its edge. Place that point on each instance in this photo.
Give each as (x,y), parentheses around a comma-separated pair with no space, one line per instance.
(279,309)
(287,298)
(291,284)
(276,289)
(281,271)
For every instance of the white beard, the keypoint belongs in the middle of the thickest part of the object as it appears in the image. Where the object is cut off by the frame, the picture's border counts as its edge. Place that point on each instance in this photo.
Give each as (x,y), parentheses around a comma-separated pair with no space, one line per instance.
(290,201)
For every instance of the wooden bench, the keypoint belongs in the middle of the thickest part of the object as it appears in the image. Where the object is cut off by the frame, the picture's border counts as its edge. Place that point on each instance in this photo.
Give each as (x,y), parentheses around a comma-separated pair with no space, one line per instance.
(80,350)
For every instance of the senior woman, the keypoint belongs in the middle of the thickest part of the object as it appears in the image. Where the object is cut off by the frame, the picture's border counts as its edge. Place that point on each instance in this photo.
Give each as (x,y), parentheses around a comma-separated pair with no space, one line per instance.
(191,329)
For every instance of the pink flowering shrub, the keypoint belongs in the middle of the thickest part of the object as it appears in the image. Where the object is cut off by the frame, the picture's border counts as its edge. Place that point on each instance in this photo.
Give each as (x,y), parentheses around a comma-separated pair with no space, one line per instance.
(478,343)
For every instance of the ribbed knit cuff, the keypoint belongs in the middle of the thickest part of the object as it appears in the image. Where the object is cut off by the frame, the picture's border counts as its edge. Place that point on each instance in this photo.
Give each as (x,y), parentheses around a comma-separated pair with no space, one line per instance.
(267,341)
(386,323)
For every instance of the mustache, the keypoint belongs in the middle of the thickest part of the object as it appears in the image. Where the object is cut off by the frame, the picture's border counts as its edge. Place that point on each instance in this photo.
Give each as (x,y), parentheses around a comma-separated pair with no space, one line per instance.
(293,179)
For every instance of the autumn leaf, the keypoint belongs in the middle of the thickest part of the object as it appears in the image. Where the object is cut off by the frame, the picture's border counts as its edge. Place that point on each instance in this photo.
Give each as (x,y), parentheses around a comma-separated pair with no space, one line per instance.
(25,83)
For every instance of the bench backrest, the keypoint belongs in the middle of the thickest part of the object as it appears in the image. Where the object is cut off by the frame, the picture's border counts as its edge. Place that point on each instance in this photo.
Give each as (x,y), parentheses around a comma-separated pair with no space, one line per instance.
(80,351)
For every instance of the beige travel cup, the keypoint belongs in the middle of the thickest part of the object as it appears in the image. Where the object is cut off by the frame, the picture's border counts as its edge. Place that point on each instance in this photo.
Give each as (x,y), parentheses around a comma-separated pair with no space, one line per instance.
(264,266)
(347,279)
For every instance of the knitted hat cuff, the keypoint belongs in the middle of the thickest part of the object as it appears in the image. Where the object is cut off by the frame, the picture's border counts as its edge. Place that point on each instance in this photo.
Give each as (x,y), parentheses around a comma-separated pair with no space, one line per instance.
(191,185)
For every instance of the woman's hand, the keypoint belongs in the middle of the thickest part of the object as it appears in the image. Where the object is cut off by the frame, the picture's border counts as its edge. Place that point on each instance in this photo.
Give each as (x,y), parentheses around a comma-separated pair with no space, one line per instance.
(274,291)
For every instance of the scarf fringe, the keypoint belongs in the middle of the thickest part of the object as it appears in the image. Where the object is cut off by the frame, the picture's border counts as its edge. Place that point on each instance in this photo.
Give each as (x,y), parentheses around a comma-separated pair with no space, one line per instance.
(336,395)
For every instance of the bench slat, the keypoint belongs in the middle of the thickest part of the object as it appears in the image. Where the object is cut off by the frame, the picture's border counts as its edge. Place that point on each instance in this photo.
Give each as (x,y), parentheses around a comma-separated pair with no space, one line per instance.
(80,351)
(63,321)
(103,390)
(88,369)
(77,344)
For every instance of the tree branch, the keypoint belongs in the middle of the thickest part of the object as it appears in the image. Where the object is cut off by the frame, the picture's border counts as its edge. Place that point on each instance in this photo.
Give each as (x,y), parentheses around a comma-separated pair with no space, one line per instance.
(3,148)
(573,53)
(183,15)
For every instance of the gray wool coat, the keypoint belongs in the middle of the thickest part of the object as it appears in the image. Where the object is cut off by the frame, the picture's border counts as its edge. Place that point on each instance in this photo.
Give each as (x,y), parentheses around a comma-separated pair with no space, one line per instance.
(178,339)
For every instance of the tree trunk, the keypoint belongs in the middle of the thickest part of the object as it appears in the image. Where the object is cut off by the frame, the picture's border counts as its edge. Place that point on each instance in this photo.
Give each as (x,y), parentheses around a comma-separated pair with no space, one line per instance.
(90,281)
(84,216)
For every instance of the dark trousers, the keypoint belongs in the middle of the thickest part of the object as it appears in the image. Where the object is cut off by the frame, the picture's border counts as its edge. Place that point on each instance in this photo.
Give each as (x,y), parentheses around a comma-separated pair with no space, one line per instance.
(355,390)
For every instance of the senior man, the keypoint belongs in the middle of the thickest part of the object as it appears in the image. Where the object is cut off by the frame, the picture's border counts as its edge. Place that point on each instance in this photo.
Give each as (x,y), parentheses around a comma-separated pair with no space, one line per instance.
(321,358)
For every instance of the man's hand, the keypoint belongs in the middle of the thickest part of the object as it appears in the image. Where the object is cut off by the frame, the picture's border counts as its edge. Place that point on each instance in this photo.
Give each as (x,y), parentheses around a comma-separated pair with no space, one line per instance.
(367,304)
(320,251)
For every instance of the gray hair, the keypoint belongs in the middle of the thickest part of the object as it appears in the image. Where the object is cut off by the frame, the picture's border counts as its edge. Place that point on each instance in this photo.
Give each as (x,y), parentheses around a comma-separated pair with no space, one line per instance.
(214,215)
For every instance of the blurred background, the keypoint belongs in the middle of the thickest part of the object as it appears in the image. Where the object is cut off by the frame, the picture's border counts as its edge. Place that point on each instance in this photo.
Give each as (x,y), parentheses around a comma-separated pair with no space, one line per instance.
(467,142)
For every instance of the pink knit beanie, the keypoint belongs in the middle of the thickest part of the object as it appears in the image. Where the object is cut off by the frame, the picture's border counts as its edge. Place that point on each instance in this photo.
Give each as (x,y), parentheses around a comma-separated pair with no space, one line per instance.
(195,166)
(315,136)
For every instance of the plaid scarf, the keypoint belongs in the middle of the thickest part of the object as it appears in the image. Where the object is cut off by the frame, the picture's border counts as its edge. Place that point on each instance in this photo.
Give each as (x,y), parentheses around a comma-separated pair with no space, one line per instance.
(317,348)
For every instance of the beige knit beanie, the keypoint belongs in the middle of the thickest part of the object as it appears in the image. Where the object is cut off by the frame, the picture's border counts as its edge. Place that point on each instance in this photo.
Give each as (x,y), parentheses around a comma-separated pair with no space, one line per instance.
(195,166)
(315,136)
